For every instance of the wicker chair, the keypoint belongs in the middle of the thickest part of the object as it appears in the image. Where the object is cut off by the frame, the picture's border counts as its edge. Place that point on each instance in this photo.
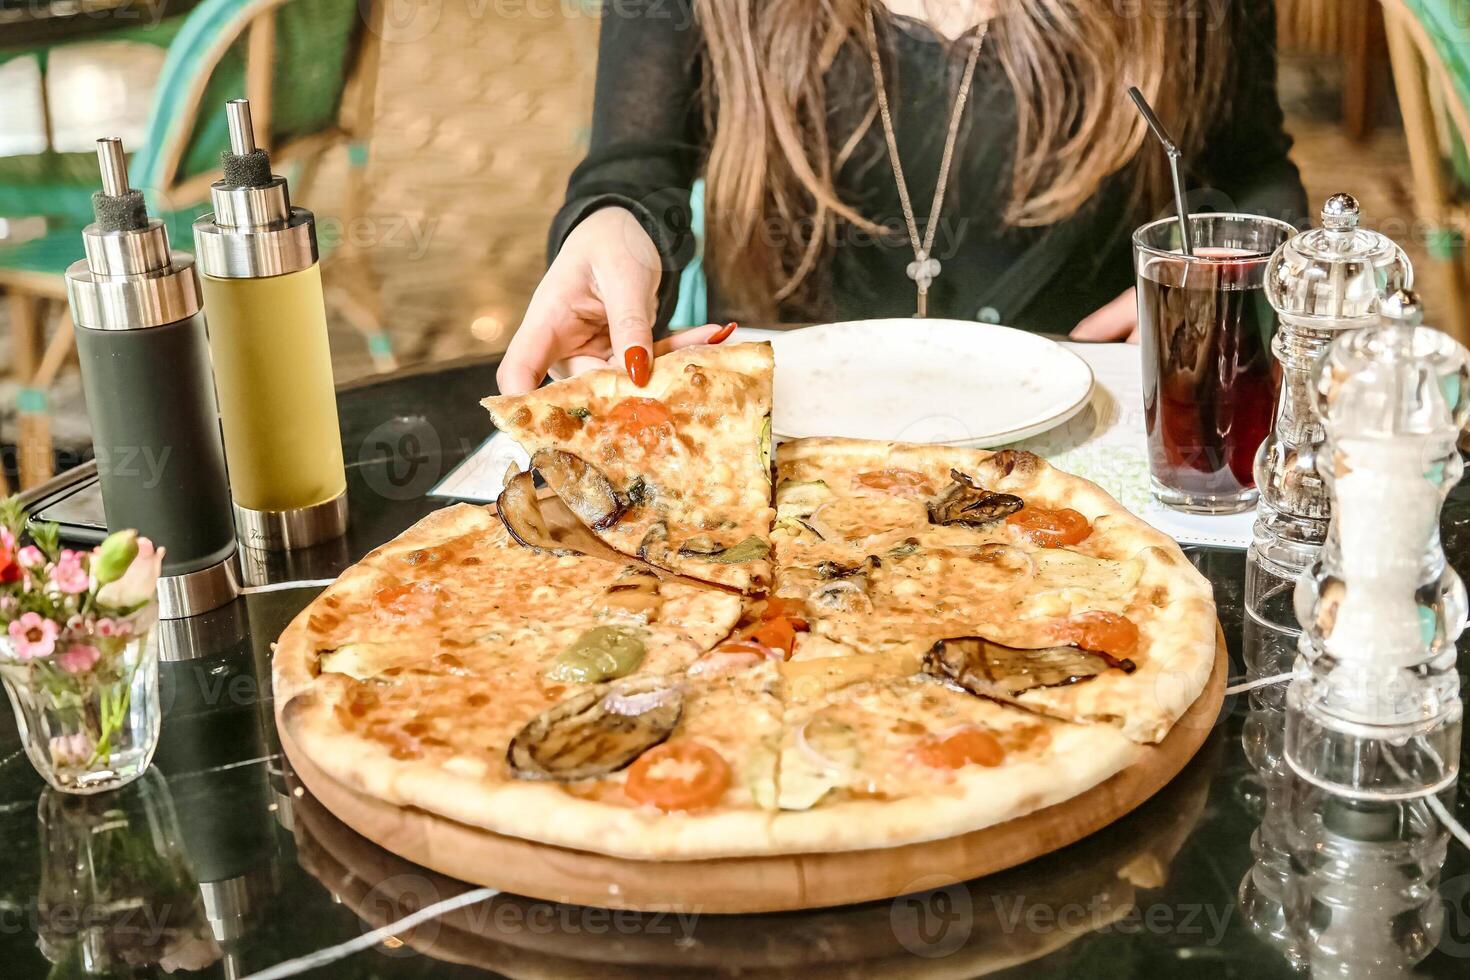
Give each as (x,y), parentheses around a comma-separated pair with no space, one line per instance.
(1429,44)
(309,69)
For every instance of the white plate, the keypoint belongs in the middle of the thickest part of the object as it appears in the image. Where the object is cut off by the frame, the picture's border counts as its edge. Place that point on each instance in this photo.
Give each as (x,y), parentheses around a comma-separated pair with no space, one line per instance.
(949,382)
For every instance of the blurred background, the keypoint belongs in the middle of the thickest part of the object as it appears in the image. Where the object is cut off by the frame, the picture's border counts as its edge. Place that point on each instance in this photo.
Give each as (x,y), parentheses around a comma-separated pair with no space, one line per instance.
(433,139)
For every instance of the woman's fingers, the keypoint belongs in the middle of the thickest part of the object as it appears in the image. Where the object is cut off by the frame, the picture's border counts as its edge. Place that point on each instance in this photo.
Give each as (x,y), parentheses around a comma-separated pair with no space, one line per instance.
(534,347)
(710,333)
(629,292)
(576,364)
(1114,321)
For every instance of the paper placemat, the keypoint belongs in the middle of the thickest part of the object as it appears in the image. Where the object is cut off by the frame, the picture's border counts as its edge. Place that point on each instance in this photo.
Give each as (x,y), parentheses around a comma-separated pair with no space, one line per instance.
(1104,443)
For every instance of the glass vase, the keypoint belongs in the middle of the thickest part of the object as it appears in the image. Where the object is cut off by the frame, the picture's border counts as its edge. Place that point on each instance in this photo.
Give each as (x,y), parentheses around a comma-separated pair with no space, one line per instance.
(88,713)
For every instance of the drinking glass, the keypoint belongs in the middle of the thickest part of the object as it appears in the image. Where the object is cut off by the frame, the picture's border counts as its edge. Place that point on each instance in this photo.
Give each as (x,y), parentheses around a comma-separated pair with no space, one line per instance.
(1209,384)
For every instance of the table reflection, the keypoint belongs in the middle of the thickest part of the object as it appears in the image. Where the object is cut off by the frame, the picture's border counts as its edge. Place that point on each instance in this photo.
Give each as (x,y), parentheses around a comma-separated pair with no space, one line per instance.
(1340,887)
(118,888)
(956,929)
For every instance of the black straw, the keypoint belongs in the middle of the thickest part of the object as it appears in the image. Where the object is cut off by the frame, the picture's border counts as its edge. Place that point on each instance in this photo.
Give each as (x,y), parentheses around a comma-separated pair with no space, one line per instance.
(1146,110)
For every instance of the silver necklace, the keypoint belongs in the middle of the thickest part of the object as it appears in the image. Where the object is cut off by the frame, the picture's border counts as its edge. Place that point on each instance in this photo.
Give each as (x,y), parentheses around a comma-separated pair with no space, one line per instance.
(925,268)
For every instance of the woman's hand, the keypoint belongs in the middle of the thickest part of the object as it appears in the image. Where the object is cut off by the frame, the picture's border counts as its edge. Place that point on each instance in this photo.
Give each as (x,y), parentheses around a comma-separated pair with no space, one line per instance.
(595,307)
(1117,320)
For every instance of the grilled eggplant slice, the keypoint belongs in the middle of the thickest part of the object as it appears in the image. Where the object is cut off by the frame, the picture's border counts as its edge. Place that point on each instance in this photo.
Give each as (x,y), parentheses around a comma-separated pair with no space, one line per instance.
(655,543)
(520,512)
(586,492)
(967,503)
(597,732)
(995,670)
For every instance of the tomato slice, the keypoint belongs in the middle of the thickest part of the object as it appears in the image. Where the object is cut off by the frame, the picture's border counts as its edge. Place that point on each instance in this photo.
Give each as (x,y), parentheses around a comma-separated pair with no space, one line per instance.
(1101,632)
(778,634)
(966,746)
(645,419)
(678,776)
(748,646)
(792,609)
(894,481)
(1050,528)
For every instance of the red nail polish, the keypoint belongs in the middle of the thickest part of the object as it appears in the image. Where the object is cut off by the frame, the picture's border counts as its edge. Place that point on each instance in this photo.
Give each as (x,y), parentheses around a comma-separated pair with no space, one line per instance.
(723,334)
(636,360)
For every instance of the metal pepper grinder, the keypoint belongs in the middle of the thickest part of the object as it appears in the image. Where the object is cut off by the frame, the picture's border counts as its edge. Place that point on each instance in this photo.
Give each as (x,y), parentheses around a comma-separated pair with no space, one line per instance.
(1373,710)
(1320,282)
(272,363)
(150,394)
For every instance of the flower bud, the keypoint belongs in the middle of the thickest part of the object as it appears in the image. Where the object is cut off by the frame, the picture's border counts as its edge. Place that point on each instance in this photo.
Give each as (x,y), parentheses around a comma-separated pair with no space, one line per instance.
(114,555)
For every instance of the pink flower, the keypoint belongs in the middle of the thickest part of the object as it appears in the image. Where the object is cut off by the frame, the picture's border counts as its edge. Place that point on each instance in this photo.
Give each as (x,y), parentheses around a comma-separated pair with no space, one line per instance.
(112,627)
(31,557)
(79,659)
(69,575)
(33,636)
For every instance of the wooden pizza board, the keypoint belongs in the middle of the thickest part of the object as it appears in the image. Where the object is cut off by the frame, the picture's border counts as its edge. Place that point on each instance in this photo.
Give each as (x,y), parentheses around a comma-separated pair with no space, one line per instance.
(759,884)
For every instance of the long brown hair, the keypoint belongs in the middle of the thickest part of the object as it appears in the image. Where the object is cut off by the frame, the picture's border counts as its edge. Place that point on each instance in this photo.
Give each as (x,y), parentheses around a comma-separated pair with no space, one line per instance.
(769,172)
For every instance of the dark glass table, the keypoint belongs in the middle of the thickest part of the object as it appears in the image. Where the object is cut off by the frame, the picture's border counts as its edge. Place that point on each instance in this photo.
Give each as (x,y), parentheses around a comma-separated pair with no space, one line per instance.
(219,864)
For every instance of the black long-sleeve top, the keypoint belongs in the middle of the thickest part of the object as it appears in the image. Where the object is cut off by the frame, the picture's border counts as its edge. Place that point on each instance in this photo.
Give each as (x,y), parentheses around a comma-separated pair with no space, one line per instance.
(648,145)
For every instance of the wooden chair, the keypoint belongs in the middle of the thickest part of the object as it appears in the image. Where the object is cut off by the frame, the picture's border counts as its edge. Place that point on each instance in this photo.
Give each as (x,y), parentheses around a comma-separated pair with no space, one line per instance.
(1348,30)
(260,49)
(1430,52)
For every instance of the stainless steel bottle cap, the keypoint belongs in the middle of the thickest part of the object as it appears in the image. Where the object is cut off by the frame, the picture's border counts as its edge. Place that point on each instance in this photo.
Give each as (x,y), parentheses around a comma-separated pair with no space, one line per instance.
(130,279)
(254,232)
(1337,272)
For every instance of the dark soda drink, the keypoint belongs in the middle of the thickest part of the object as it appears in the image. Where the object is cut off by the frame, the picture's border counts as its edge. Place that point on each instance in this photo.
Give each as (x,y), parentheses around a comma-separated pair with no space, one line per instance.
(1209,378)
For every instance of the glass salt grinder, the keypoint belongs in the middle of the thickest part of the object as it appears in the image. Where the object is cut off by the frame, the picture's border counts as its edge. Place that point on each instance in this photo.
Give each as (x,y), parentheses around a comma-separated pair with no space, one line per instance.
(150,395)
(1321,282)
(1373,709)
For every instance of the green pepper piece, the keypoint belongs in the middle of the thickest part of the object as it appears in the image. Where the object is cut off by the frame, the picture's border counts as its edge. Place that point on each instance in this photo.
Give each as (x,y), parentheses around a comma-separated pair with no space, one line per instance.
(603,653)
(748,550)
(765,447)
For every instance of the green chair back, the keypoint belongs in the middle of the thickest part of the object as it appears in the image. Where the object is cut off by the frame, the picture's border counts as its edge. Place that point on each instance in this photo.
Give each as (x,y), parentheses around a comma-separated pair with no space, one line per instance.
(1447,23)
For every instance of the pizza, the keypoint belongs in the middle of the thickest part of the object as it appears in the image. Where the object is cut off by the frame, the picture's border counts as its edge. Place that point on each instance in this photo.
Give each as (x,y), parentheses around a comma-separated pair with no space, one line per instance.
(935,640)
(677,473)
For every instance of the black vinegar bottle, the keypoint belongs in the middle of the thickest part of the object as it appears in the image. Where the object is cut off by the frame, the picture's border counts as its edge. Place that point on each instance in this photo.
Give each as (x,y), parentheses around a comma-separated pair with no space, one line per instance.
(150,394)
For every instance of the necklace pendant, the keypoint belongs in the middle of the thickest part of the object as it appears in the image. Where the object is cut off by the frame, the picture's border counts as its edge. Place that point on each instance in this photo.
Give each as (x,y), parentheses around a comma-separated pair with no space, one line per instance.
(923,271)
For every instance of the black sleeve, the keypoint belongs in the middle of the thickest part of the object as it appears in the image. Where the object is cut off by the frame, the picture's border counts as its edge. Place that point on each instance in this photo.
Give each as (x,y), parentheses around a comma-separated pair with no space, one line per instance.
(1245,158)
(646,132)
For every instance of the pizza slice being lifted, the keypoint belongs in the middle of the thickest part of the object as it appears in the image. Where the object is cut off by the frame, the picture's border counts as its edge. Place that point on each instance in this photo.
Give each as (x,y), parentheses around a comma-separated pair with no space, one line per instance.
(676,473)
